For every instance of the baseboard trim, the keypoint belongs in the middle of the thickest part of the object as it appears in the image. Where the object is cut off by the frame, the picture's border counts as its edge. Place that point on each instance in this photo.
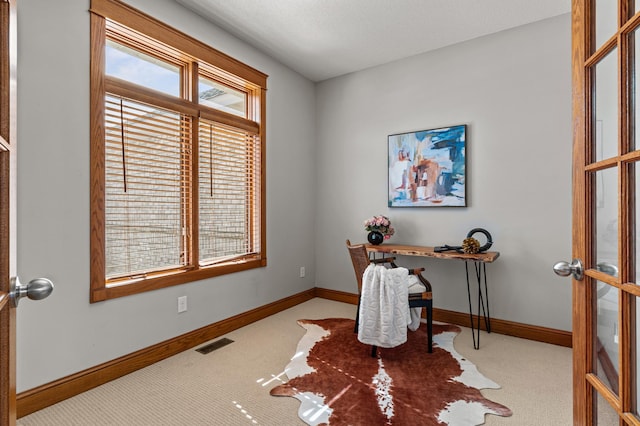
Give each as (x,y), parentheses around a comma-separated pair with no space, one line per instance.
(336,295)
(509,328)
(51,393)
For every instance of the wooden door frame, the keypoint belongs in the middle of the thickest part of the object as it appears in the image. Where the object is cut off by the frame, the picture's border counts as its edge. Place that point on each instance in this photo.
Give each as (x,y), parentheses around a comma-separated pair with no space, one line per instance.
(581,402)
(7,185)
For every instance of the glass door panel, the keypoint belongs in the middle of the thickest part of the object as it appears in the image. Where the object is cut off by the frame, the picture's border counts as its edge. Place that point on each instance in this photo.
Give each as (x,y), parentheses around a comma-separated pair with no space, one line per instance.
(635,74)
(606,416)
(635,361)
(606,107)
(607,335)
(636,237)
(606,221)
(606,24)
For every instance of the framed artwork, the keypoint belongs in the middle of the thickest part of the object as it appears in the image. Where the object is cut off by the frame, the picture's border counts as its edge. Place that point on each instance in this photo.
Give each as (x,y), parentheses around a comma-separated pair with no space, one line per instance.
(427,168)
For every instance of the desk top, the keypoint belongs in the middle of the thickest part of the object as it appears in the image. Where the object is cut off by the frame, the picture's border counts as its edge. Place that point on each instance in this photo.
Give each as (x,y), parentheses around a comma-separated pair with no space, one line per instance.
(407,250)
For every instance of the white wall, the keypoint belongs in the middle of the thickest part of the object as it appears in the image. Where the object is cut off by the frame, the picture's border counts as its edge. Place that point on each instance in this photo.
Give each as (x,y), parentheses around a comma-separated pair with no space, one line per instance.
(513,90)
(65,334)
(326,173)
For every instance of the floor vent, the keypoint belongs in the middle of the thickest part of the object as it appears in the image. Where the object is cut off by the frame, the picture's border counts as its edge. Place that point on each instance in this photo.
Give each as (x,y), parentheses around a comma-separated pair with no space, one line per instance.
(215,345)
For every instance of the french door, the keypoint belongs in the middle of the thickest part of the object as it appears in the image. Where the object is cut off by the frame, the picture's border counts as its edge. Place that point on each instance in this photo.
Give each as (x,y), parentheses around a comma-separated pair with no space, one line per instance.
(606,180)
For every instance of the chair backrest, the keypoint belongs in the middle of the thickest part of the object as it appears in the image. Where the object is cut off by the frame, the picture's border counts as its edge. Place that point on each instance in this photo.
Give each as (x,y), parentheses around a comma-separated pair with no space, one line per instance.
(360,260)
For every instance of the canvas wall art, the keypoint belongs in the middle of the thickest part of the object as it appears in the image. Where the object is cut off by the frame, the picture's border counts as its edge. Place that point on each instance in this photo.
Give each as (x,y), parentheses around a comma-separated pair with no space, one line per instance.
(427,168)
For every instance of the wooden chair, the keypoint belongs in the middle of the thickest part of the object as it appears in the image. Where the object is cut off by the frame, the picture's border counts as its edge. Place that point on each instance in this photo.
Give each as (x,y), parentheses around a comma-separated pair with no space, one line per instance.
(360,260)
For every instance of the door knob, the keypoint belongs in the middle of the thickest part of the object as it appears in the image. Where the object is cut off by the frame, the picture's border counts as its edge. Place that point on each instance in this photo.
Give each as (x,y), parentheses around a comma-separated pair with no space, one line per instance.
(574,268)
(36,289)
(607,268)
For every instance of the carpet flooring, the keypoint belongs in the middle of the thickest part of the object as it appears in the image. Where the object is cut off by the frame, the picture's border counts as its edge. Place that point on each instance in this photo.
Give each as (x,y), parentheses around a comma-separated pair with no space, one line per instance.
(230,386)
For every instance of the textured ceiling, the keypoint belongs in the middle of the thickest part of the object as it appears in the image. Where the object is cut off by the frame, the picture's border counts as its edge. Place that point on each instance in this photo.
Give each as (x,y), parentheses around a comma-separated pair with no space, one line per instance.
(321,39)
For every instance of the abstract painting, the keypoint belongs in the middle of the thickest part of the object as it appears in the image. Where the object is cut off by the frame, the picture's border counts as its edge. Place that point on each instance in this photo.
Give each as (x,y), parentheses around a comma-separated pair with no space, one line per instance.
(427,168)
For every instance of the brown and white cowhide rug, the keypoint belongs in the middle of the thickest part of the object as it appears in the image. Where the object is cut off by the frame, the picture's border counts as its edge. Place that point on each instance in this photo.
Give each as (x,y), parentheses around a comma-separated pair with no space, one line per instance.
(339,383)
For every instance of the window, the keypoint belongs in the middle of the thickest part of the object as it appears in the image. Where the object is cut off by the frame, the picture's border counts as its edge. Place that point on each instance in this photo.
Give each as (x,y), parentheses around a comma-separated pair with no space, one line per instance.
(177,158)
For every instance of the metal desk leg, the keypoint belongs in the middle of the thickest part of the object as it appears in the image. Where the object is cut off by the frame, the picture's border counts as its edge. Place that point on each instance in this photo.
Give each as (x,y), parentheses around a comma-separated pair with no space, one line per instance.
(483,301)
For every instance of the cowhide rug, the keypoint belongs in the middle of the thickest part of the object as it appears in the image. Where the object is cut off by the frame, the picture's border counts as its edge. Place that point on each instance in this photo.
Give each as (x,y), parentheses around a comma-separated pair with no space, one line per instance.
(339,383)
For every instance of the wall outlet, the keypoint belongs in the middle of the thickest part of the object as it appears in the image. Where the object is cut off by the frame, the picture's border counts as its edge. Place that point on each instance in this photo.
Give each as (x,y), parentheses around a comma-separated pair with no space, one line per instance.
(302,272)
(182,304)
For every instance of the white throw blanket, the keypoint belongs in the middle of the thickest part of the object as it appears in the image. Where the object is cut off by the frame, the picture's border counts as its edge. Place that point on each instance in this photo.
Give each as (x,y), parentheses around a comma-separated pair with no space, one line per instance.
(384,309)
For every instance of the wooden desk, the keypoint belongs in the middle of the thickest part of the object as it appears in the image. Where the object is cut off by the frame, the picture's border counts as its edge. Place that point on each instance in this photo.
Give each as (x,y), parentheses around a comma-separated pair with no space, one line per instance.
(479,260)
(405,250)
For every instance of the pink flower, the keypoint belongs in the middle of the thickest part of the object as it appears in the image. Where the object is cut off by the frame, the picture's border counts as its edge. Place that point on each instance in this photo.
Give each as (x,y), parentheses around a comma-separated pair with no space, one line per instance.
(381,224)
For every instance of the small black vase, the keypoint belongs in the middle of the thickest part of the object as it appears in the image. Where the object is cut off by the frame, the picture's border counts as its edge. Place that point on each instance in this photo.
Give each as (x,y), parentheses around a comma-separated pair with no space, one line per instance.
(375,238)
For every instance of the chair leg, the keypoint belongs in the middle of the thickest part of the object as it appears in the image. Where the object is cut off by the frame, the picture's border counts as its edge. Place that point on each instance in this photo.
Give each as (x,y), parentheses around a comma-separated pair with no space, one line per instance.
(430,326)
(374,351)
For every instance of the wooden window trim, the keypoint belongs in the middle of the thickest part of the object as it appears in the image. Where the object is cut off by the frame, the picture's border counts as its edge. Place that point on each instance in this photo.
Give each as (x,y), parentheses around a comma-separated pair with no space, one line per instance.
(232,71)
(133,18)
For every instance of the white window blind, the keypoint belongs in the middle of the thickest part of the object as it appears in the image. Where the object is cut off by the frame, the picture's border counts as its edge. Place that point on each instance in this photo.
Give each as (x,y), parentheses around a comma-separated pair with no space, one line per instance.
(147,187)
(229,190)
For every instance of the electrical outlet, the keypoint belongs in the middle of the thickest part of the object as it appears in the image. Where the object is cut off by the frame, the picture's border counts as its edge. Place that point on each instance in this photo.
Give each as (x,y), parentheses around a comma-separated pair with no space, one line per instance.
(182,304)
(302,272)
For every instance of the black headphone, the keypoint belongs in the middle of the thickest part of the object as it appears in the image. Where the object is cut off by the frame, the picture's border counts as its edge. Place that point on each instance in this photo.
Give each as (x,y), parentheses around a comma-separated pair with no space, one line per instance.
(486,234)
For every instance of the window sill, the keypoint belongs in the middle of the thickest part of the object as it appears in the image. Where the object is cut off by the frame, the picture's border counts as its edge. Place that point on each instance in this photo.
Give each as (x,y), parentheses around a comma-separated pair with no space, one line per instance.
(136,286)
